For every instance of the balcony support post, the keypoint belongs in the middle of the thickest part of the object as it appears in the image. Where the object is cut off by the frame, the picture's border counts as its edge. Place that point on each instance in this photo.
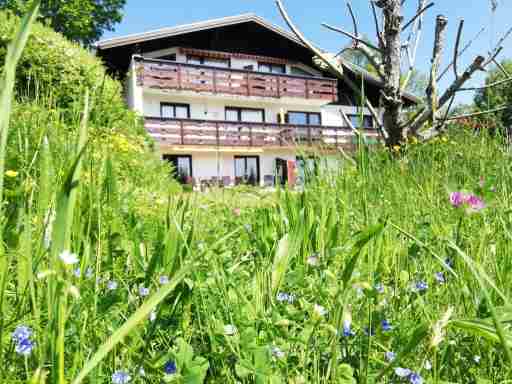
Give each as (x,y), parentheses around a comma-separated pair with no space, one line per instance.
(181,133)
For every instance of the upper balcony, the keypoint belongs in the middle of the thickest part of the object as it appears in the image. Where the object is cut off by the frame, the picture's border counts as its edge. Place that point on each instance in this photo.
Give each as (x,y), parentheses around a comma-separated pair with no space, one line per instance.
(168,75)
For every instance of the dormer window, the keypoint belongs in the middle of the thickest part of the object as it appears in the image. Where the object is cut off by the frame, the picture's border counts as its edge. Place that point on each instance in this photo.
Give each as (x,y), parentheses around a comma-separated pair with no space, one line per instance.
(208,61)
(271,68)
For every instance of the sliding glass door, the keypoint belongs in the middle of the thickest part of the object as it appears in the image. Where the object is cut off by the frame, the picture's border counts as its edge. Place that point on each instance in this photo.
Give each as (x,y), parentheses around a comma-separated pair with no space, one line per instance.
(247,169)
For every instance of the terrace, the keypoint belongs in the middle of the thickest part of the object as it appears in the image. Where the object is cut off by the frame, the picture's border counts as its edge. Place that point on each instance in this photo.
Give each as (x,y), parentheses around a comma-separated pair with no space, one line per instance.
(167,132)
(169,75)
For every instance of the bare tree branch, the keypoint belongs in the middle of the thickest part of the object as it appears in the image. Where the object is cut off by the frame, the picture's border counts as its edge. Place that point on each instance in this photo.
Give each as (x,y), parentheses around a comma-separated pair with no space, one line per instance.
(419,14)
(355,38)
(495,84)
(456,50)
(501,67)
(354,21)
(377,26)
(332,66)
(466,47)
(465,116)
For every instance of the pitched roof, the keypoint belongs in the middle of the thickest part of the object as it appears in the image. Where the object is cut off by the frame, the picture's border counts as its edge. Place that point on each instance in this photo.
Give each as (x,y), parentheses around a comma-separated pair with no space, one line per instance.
(194,27)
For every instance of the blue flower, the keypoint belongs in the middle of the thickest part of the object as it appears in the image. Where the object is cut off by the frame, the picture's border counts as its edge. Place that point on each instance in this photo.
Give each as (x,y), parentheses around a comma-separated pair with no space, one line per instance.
(415,378)
(347,331)
(24,347)
(121,377)
(170,368)
(112,285)
(390,356)
(386,326)
(421,286)
(22,332)
(77,272)
(379,288)
(143,291)
(285,297)
(89,272)
(439,276)
(163,280)
(403,372)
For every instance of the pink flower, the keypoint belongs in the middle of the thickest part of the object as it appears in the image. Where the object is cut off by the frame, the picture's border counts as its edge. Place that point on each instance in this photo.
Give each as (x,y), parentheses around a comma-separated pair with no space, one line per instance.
(457,199)
(475,203)
(237,211)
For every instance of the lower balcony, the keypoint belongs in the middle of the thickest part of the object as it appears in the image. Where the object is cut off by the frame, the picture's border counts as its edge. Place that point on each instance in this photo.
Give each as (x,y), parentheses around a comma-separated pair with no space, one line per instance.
(172,132)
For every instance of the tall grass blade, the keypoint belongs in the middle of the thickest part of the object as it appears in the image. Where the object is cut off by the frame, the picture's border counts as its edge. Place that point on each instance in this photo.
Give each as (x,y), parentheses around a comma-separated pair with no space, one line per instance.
(139,316)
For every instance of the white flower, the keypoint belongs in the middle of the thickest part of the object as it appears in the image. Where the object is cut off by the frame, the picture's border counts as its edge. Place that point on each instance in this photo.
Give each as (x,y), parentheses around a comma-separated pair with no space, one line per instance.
(427,365)
(68,258)
(229,330)
(152,316)
(112,285)
(313,260)
(477,359)
(277,352)
(319,310)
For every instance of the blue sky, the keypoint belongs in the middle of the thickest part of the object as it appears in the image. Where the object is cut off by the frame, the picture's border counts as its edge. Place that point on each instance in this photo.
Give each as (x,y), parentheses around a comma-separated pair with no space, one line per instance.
(146,15)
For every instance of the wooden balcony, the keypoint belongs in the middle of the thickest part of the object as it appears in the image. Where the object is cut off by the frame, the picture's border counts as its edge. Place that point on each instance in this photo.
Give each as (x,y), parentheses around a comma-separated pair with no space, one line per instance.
(169,75)
(169,132)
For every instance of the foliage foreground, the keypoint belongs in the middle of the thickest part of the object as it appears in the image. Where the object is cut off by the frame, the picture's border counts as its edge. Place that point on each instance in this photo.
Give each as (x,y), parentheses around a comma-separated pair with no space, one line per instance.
(385,269)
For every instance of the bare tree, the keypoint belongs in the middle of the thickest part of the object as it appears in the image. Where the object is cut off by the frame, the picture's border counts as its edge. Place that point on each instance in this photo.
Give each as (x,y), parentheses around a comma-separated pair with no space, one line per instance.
(396,48)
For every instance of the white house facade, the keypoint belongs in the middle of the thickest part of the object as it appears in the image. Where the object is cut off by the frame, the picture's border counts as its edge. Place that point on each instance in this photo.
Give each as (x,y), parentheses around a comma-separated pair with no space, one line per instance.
(235,100)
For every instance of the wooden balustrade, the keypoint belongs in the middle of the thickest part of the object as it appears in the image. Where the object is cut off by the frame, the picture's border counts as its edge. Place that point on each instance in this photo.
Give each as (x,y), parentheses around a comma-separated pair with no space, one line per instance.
(243,134)
(168,75)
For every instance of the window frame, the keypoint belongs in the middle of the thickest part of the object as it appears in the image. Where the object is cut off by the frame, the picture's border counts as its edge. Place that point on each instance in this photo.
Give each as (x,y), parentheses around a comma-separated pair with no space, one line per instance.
(239,111)
(174,105)
(245,158)
(174,160)
(202,59)
(270,65)
(308,118)
(357,116)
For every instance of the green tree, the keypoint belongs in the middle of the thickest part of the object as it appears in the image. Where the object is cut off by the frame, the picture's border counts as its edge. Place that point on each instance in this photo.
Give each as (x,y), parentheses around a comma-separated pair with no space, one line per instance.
(496,96)
(83,21)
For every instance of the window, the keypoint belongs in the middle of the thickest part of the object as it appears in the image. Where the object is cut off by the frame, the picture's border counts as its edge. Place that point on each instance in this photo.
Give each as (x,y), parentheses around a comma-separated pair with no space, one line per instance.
(300,72)
(171,57)
(182,167)
(247,169)
(356,121)
(271,68)
(304,118)
(248,115)
(174,111)
(212,62)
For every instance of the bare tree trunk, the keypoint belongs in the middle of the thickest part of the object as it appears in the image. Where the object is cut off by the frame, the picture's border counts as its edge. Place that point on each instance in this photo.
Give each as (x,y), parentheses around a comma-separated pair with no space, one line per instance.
(392,95)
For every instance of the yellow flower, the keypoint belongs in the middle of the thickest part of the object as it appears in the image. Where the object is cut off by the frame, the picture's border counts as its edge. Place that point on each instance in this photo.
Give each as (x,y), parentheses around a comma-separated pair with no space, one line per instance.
(11,173)
(396,148)
(444,139)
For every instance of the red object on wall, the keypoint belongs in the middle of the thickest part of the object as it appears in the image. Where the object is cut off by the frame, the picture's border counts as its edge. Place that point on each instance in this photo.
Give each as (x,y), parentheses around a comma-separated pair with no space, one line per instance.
(292,173)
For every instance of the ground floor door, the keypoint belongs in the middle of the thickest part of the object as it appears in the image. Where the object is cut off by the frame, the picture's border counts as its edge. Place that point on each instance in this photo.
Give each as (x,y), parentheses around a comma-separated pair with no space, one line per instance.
(182,167)
(247,170)
(281,171)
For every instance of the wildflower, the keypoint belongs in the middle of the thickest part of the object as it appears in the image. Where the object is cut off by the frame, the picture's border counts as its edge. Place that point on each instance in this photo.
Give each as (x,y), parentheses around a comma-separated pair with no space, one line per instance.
(390,356)
(229,330)
(142,372)
(285,297)
(152,316)
(163,280)
(427,365)
(77,272)
(475,203)
(319,310)
(10,173)
(402,372)
(415,378)
(248,227)
(22,332)
(24,347)
(88,273)
(421,286)
(386,326)
(143,291)
(457,199)
(347,330)
(170,368)
(121,377)
(68,258)
(477,359)
(237,211)
(112,285)
(313,260)
(379,288)
(277,352)
(439,276)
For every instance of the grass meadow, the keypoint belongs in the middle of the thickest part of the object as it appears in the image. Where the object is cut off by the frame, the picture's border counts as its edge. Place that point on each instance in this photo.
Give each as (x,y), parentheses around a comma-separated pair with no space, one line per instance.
(395,268)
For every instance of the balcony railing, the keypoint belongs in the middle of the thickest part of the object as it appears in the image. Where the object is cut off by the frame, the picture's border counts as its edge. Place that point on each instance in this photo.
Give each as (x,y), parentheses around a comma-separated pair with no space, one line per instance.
(168,75)
(241,134)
